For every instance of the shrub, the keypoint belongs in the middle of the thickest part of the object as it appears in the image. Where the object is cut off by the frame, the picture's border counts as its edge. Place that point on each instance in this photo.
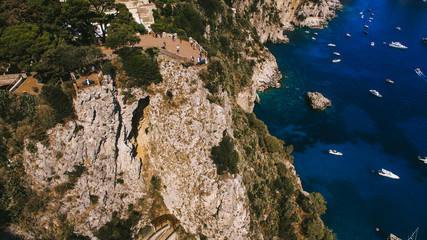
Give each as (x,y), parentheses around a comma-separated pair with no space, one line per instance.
(156,182)
(93,199)
(224,156)
(60,102)
(77,128)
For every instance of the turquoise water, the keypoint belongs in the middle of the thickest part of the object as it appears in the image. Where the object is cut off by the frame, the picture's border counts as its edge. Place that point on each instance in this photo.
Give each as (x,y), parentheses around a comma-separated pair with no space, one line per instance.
(372,133)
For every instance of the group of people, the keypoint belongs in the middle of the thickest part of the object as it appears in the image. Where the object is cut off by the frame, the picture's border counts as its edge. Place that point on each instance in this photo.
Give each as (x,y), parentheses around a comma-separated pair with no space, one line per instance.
(200,60)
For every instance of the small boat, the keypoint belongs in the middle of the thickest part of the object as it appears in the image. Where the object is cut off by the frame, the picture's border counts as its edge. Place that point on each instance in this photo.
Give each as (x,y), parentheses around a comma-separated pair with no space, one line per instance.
(348,35)
(397,45)
(361,13)
(389,80)
(334,152)
(336,60)
(366,26)
(362,17)
(375,93)
(424,40)
(424,159)
(368,9)
(316,33)
(307,32)
(372,14)
(421,74)
(313,38)
(398,28)
(386,173)
(337,53)
(370,20)
(365,32)
(412,237)
(331,45)
(372,44)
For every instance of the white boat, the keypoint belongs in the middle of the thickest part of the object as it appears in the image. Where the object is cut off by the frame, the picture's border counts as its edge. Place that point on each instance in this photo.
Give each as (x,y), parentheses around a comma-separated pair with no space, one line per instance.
(397,45)
(307,32)
(361,13)
(370,20)
(398,28)
(389,80)
(421,74)
(348,35)
(366,26)
(313,38)
(331,45)
(372,44)
(316,33)
(375,93)
(335,152)
(336,60)
(337,53)
(424,159)
(361,17)
(386,173)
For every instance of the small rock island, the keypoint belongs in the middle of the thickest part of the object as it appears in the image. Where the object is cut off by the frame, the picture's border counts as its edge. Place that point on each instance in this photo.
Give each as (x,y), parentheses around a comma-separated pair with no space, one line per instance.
(317,101)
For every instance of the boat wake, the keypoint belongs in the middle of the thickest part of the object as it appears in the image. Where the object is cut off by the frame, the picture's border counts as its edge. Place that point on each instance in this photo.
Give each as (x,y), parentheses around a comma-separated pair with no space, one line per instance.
(421,74)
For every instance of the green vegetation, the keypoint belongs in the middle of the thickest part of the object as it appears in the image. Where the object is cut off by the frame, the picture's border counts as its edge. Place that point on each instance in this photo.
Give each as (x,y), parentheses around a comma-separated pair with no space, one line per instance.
(224,156)
(119,228)
(138,69)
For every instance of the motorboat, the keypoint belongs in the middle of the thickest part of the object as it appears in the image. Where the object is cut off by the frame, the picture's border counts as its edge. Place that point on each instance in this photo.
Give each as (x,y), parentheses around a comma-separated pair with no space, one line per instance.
(424,40)
(337,53)
(372,44)
(348,35)
(372,14)
(334,152)
(375,93)
(316,33)
(365,32)
(361,13)
(336,60)
(366,26)
(331,45)
(370,20)
(307,32)
(397,45)
(389,80)
(386,173)
(398,28)
(421,74)
(362,16)
(424,159)
(313,38)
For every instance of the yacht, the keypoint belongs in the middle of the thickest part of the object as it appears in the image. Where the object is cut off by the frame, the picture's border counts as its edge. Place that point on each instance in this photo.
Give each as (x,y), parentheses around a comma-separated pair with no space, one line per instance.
(331,45)
(372,44)
(397,45)
(337,53)
(375,93)
(348,35)
(389,80)
(386,173)
(336,60)
(335,152)
(424,159)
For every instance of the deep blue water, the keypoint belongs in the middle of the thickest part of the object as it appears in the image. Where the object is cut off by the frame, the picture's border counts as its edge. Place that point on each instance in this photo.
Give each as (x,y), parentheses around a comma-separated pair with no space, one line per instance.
(372,133)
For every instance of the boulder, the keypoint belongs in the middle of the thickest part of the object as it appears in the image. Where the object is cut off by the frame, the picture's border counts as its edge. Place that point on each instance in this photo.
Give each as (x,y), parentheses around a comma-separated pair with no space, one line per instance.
(317,101)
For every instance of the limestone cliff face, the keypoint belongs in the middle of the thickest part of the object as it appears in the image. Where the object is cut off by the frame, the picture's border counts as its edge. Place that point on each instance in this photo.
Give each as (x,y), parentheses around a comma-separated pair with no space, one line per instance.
(266,75)
(271,18)
(168,132)
(101,147)
(182,130)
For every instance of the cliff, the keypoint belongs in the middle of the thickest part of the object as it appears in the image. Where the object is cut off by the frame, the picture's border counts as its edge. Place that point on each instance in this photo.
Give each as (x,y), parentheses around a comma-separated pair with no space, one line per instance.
(272,18)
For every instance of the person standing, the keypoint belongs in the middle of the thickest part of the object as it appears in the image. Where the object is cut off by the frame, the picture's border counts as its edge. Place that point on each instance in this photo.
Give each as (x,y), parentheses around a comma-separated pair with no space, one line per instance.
(177,48)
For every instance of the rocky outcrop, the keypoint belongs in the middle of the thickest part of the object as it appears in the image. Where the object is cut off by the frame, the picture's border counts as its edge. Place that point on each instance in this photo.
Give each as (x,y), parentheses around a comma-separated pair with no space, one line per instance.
(182,130)
(266,75)
(272,18)
(317,101)
(96,147)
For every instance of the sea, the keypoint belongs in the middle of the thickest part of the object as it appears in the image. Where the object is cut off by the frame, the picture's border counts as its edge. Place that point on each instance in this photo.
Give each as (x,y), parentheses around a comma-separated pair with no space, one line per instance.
(371,132)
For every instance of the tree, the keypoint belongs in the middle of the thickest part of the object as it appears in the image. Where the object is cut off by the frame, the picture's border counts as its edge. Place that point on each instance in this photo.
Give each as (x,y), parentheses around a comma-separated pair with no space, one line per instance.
(120,35)
(100,16)
(23,44)
(77,17)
